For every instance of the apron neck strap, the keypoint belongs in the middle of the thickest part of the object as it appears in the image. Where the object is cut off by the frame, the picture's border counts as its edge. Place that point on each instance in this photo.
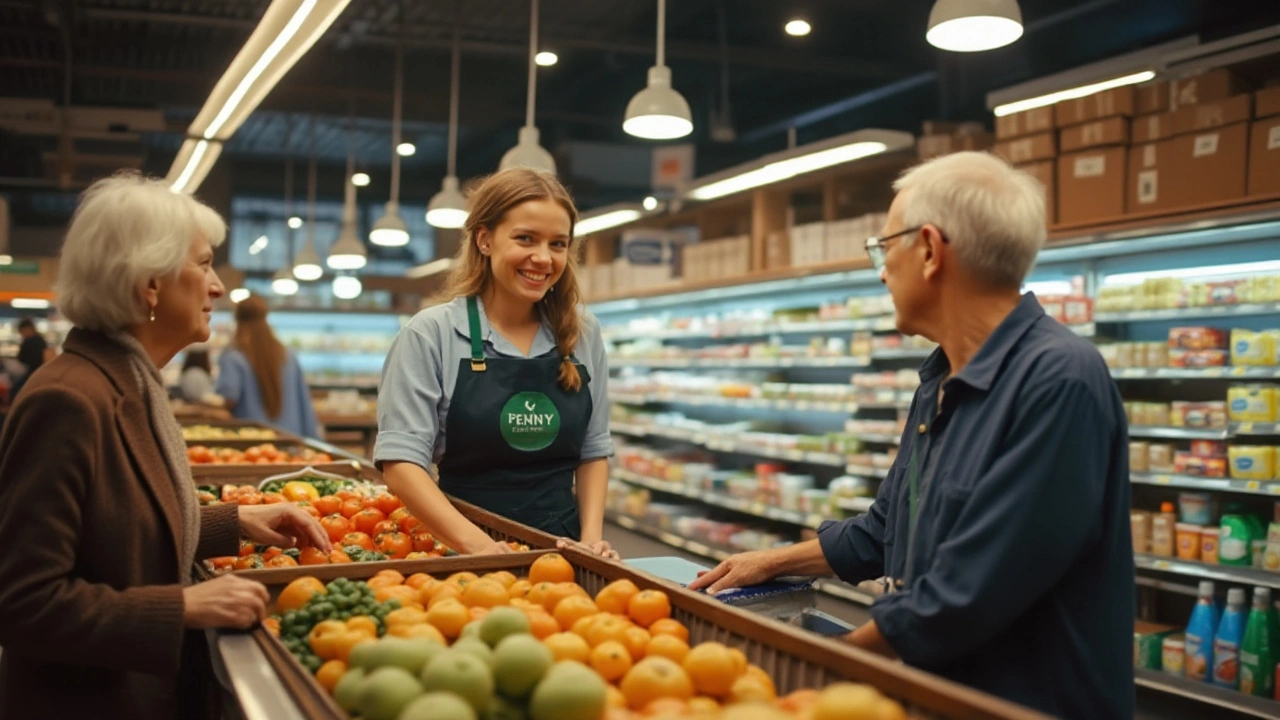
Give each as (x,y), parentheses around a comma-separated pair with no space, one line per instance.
(477,342)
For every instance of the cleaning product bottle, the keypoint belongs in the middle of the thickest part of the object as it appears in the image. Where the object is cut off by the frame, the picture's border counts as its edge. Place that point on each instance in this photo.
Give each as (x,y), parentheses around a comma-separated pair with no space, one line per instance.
(1226,644)
(1235,543)
(1200,631)
(1258,651)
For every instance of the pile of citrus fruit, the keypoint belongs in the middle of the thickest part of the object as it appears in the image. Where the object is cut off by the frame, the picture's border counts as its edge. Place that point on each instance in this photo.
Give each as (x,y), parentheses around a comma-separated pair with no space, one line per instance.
(500,647)
(265,454)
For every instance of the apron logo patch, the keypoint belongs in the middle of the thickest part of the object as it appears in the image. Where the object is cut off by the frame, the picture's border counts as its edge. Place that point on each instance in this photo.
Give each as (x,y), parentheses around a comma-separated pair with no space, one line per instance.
(530,421)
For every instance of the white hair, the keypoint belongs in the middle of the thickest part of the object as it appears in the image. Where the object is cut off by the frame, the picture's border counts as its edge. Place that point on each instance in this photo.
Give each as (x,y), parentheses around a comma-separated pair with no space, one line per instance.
(127,230)
(991,213)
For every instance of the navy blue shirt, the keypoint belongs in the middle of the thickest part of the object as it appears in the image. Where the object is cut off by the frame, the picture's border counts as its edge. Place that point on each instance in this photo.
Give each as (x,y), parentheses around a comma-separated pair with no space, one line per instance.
(1020,579)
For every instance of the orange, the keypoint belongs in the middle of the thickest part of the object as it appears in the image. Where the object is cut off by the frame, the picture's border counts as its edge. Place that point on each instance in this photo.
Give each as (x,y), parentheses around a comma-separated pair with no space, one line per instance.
(424,630)
(537,592)
(297,593)
(281,561)
(484,593)
(503,576)
(406,616)
(522,604)
(418,580)
(393,574)
(648,607)
(611,660)
(559,592)
(739,660)
(436,589)
(653,678)
(461,579)
(617,713)
(799,701)
(519,589)
(572,609)
(330,673)
(636,639)
(551,567)
(338,556)
(567,646)
(607,628)
(312,556)
(749,688)
(667,646)
(614,698)
(407,596)
(477,612)
(364,624)
(449,617)
(541,624)
(377,582)
(584,625)
(667,626)
(272,625)
(666,708)
(712,669)
(703,705)
(613,598)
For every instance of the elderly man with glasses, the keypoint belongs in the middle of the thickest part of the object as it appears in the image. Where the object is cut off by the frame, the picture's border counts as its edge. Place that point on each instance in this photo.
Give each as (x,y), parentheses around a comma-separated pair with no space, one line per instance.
(1003,526)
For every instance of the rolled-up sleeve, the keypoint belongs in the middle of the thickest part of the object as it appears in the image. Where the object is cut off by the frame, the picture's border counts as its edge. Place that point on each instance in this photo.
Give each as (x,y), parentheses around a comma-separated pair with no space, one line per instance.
(1026,520)
(598,443)
(854,548)
(409,398)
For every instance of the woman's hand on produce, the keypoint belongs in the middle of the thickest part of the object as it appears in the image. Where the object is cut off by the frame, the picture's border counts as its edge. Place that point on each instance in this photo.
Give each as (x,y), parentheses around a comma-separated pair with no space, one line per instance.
(595,547)
(742,570)
(497,547)
(228,601)
(284,525)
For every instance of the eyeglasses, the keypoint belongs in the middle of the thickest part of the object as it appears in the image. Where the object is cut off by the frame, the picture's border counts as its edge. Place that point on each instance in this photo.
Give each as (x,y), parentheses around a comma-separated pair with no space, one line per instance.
(877,246)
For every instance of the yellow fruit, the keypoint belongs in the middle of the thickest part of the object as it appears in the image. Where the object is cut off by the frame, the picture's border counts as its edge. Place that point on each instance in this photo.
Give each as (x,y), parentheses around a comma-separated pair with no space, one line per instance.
(848,701)
(297,593)
(611,659)
(298,491)
(448,616)
(568,646)
(712,668)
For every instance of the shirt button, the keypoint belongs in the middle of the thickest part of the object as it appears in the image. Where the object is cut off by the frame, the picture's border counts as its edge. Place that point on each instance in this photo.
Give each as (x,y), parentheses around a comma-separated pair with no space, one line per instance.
(922,429)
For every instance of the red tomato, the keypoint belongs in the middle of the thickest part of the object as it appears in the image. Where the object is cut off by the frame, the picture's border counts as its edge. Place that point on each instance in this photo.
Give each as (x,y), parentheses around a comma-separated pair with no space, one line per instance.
(246,548)
(351,507)
(271,553)
(367,519)
(386,526)
(423,542)
(250,562)
(358,538)
(328,505)
(395,544)
(312,556)
(336,526)
(272,498)
(388,503)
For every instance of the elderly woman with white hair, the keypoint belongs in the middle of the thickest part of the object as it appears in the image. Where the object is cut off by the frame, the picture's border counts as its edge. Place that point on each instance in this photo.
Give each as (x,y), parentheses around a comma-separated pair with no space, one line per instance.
(98,513)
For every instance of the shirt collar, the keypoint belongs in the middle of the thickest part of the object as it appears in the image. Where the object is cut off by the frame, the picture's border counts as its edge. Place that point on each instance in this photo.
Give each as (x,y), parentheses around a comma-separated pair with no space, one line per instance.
(981,371)
(543,343)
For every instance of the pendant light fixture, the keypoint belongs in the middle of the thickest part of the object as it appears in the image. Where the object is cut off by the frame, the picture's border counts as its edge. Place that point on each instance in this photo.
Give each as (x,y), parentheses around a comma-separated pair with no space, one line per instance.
(306,264)
(974,25)
(282,283)
(347,287)
(448,209)
(527,152)
(390,230)
(348,252)
(658,112)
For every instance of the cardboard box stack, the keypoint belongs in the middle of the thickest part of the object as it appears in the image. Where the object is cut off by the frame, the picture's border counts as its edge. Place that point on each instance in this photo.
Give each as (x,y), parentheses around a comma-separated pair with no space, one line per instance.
(1093,136)
(1026,139)
(1192,149)
(846,239)
(808,244)
(1264,144)
(943,138)
(717,259)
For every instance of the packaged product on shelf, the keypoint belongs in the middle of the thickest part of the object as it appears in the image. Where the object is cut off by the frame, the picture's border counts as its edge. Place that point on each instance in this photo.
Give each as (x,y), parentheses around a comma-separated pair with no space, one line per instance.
(1226,292)
(1138,454)
(1235,543)
(814,501)
(1211,414)
(1209,537)
(1160,457)
(1252,462)
(1148,643)
(1254,402)
(1271,555)
(1195,507)
(1253,348)
(1258,651)
(1208,448)
(1226,641)
(1197,338)
(1140,529)
(1185,463)
(1163,540)
(1179,358)
(1201,629)
(1188,540)
(1257,554)
(1173,655)
(1157,354)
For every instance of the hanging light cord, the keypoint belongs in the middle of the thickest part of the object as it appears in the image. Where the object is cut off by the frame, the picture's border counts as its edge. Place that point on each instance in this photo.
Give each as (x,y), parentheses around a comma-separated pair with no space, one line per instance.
(455,79)
(395,111)
(533,66)
(662,32)
(288,188)
(311,187)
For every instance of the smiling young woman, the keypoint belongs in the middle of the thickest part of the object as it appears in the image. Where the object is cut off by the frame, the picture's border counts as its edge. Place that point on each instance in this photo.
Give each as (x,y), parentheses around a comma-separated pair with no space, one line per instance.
(511,370)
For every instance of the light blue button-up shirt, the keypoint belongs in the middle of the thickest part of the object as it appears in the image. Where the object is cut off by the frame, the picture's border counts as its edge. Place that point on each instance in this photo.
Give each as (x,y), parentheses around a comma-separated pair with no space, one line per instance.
(239,385)
(421,371)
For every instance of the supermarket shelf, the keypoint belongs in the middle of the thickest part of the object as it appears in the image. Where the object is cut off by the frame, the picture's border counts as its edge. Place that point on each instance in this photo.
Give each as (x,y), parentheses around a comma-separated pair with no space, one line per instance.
(1178,433)
(754,403)
(1085,329)
(856,505)
(1223,698)
(881,323)
(1246,429)
(1222,573)
(763,363)
(866,471)
(746,507)
(257,687)
(902,354)
(886,438)
(717,444)
(1190,482)
(1191,313)
(1228,373)
(834,588)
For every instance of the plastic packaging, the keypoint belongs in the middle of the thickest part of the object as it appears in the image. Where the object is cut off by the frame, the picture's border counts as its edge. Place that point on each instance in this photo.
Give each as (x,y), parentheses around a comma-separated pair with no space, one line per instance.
(1195,507)
(1188,540)
(1201,629)
(1258,650)
(1173,657)
(1226,642)
(1252,462)
(1209,545)
(1140,529)
(1139,453)
(1253,348)
(1254,402)
(1235,544)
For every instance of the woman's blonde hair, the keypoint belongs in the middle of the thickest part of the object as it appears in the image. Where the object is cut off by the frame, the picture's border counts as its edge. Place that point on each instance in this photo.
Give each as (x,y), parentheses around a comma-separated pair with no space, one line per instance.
(265,353)
(490,202)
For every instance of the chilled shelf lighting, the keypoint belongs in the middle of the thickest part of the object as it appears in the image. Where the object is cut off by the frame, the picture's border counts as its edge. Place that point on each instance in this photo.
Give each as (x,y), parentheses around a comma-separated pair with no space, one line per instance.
(30,303)
(239,295)
(1212,271)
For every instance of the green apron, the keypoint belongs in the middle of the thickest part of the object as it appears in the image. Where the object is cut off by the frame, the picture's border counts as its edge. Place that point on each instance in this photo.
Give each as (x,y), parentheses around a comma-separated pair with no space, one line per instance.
(514,437)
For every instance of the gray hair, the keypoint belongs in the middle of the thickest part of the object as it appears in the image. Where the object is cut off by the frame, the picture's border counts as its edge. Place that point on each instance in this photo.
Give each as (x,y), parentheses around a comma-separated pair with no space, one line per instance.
(991,213)
(127,230)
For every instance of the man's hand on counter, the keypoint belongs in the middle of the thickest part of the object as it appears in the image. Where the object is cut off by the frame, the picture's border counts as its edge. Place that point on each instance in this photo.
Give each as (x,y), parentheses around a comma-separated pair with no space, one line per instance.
(595,547)
(743,570)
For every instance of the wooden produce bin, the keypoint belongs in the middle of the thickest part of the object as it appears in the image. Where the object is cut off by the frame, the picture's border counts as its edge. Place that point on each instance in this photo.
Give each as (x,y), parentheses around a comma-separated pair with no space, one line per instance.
(278,436)
(794,658)
(252,473)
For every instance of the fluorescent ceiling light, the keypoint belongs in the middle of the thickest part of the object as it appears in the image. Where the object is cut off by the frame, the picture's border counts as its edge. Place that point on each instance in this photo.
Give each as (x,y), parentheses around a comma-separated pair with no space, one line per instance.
(286,31)
(259,245)
(1194,273)
(974,25)
(295,222)
(406,149)
(347,287)
(797,161)
(605,220)
(1073,93)
(448,208)
(651,203)
(546,58)
(283,283)
(360,179)
(30,303)
(798,28)
(238,295)
(431,268)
